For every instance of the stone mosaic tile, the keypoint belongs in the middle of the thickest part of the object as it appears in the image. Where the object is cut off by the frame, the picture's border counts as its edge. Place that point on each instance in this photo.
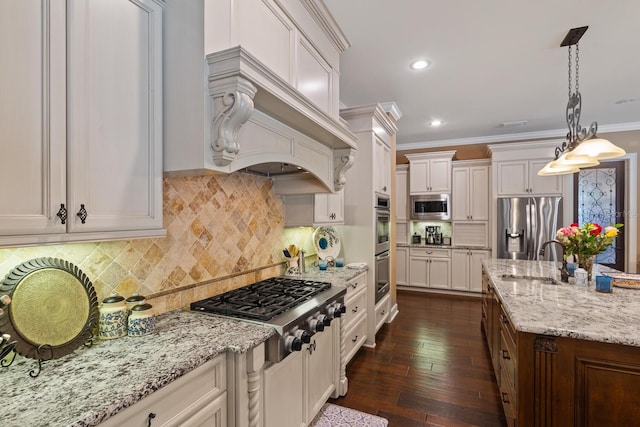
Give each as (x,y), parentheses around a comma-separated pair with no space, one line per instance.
(223,232)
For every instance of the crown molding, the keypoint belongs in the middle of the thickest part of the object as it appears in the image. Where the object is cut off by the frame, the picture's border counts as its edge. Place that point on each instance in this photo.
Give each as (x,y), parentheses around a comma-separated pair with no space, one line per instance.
(512,137)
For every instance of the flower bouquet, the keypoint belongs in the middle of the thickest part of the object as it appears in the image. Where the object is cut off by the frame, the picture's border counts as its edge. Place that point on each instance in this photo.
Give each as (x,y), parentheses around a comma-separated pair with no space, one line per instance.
(586,241)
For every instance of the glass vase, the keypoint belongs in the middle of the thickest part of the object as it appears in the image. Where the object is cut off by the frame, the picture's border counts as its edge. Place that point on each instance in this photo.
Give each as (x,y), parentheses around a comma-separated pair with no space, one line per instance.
(586,262)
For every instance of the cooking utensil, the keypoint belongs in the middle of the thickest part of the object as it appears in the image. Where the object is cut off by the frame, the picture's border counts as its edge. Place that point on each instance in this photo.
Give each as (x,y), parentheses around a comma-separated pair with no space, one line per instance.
(286,253)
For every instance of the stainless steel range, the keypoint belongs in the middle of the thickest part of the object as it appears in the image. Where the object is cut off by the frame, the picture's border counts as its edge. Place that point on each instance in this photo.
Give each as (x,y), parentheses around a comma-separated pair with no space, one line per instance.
(296,308)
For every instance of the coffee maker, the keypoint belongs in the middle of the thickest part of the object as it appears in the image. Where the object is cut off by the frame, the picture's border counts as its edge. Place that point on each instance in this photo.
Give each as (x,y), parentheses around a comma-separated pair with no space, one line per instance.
(433,235)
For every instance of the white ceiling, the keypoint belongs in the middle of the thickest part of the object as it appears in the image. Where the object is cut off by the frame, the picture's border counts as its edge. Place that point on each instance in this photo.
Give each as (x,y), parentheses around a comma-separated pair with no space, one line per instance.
(492,61)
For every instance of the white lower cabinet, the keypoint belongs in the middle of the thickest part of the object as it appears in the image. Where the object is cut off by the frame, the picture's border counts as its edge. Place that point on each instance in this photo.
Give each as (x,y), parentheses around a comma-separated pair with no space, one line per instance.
(198,398)
(429,268)
(382,311)
(354,321)
(402,266)
(296,388)
(466,270)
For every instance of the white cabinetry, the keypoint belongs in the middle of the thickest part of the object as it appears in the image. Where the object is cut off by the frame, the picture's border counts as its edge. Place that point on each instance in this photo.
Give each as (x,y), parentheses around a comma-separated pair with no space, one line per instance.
(382,311)
(430,173)
(296,388)
(381,166)
(81,132)
(466,269)
(470,192)
(198,398)
(354,321)
(372,127)
(429,268)
(314,209)
(402,204)
(520,178)
(402,266)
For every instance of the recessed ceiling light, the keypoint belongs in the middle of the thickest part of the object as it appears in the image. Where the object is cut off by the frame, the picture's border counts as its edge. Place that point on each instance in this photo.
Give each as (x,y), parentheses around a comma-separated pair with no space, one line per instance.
(435,123)
(420,64)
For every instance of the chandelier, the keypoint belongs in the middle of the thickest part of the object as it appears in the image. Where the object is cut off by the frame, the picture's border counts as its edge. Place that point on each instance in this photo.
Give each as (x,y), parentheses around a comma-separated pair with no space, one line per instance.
(581,148)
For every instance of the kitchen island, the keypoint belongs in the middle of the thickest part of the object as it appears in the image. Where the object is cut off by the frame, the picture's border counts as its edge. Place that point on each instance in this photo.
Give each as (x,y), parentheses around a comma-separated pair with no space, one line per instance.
(563,354)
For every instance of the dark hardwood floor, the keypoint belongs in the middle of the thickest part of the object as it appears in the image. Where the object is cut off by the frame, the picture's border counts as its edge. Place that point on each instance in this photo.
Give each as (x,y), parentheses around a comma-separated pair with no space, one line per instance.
(430,367)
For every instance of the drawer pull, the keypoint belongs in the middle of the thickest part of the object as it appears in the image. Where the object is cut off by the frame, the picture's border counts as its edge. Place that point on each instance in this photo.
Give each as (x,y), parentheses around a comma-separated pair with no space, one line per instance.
(354,285)
(355,339)
(484,315)
(505,355)
(382,313)
(355,309)
(149,418)
(504,319)
(505,397)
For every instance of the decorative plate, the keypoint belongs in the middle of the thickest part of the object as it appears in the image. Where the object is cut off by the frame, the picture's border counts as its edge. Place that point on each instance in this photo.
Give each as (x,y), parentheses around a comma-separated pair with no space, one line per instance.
(53,306)
(326,242)
(625,280)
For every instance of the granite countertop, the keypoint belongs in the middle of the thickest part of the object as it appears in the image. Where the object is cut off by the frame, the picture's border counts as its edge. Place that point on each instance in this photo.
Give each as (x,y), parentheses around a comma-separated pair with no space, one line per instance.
(562,309)
(92,384)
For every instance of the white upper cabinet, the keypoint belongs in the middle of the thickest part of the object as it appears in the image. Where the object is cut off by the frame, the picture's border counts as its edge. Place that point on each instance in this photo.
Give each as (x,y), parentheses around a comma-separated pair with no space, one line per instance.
(87,135)
(516,166)
(470,192)
(402,193)
(381,166)
(306,210)
(430,173)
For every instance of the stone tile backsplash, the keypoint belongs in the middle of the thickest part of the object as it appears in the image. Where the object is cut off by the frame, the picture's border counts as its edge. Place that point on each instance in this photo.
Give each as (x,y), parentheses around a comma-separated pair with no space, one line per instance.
(223,232)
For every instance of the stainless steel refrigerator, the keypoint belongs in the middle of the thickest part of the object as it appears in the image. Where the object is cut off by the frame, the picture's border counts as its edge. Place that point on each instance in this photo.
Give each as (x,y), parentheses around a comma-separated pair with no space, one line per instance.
(525,223)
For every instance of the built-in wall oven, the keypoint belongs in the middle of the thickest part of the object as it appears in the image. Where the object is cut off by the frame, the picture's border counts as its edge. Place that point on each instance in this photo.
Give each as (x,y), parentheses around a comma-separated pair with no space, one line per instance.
(383,230)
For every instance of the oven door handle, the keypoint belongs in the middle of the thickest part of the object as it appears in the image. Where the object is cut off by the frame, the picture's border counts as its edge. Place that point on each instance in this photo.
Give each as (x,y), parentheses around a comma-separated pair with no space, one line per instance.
(382,256)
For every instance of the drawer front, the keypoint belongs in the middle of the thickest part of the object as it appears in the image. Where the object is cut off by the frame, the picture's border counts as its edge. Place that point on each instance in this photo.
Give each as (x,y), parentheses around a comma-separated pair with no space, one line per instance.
(508,398)
(355,337)
(507,326)
(382,311)
(354,306)
(508,363)
(430,252)
(180,399)
(356,284)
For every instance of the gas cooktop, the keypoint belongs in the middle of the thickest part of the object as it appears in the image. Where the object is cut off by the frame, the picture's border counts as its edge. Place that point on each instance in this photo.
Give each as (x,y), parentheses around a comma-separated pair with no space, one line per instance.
(262,300)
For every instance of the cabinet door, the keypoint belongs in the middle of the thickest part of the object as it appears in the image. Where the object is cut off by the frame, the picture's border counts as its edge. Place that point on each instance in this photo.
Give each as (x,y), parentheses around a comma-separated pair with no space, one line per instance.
(475,269)
(328,208)
(114,114)
(32,116)
(320,369)
(479,193)
(419,271)
(460,269)
(513,177)
(440,176)
(543,184)
(460,194)
(283,396)
(402,192)
(402,264)
(382,167)
(439,273)
(418,178)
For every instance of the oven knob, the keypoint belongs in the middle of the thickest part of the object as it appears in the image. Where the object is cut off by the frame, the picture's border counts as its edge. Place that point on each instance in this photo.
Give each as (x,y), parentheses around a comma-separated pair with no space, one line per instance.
(323,318)
(336,310)
(315,325)
(292,343)
(304,336)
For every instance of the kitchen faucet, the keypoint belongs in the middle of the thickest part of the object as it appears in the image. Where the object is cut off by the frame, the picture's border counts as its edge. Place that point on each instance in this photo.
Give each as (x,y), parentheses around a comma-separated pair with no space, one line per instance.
(564,273)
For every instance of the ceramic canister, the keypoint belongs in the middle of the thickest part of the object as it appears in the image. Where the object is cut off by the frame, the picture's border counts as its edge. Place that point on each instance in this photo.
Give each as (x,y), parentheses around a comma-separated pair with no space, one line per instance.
(113,318)
(141,320)
(133,300)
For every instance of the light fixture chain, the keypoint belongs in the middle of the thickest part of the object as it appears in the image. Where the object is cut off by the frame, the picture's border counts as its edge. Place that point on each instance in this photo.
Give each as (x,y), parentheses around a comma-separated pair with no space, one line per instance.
(569,71)
(577,67)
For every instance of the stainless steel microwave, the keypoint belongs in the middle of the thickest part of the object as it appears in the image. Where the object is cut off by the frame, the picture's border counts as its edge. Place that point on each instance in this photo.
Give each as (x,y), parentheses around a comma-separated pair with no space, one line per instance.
(431,207)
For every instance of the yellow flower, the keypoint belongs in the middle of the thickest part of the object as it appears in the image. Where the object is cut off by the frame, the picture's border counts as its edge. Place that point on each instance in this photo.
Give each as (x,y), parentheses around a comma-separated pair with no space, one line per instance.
(611,231)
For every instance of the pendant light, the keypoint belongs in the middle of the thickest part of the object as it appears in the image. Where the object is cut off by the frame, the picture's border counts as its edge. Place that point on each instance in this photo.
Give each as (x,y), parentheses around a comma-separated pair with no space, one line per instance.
(580,149)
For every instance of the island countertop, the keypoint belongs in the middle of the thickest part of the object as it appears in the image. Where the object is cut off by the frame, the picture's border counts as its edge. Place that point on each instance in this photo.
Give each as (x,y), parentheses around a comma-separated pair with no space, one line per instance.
(561,309)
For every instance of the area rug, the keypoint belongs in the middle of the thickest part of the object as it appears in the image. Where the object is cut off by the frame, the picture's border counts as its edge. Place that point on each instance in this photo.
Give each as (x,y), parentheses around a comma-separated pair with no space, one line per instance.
(337,416)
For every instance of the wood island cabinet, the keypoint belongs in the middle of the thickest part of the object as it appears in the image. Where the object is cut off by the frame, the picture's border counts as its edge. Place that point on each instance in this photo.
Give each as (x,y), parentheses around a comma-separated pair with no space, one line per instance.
(559,381)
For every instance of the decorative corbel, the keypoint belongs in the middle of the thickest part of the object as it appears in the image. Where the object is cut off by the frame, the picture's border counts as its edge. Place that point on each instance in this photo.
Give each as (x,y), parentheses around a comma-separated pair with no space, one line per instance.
(232,105)
(342,162)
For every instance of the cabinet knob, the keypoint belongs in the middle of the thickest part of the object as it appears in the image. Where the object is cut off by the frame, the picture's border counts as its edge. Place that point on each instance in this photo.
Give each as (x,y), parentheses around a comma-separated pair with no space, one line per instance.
(354,339)
(62,214)
(505,397)
(505,354)
(355,309)
(150,417)
(82,214)
(384,188)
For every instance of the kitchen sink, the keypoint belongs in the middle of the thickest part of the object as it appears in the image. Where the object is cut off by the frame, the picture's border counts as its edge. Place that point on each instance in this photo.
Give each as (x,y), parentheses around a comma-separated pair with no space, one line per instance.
(528,280)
